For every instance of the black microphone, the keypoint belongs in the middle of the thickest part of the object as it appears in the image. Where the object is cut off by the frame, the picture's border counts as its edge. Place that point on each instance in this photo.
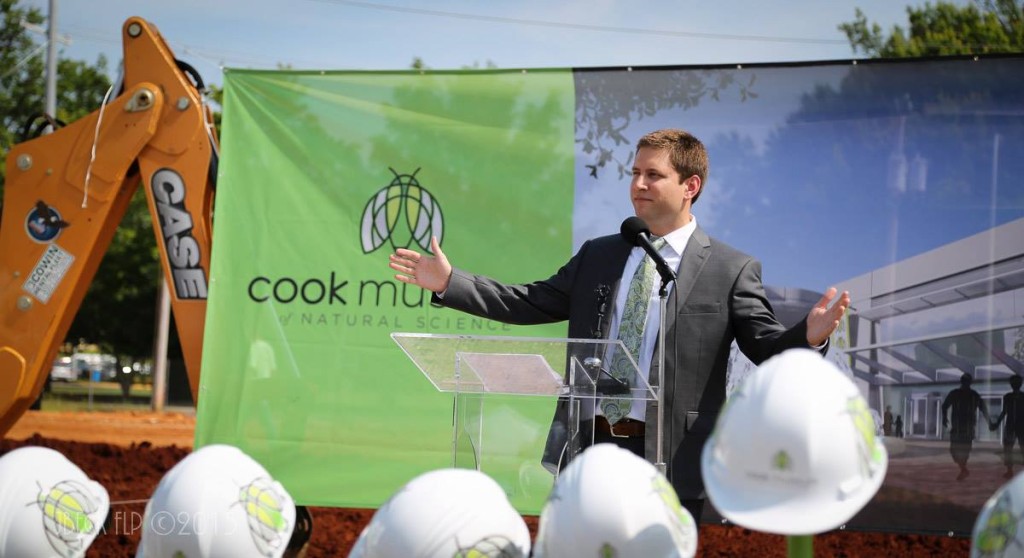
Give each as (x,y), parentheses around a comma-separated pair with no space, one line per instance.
(602,291)
(637,233)
(608,384)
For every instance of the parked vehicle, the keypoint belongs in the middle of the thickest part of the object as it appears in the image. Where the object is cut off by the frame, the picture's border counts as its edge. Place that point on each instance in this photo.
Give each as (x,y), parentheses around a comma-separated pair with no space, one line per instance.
(63,370)
(95,366)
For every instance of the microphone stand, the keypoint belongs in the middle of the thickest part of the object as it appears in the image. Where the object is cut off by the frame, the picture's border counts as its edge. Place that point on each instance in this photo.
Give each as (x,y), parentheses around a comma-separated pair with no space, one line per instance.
(667,277)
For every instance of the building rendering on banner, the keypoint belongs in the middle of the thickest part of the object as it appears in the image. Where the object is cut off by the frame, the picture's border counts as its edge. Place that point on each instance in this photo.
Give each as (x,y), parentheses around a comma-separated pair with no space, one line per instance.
(918,325)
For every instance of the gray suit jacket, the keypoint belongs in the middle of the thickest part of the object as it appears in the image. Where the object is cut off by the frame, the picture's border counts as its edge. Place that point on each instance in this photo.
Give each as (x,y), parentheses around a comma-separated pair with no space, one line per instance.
(718,297)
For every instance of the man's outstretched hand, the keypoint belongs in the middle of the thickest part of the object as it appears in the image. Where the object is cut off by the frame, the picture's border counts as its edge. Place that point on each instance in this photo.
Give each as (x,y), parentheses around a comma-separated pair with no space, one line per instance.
(823,319)
(423,270)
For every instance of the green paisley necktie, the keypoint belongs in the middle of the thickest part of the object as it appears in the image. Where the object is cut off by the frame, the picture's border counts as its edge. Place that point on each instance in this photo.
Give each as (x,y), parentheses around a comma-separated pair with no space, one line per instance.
(631,333)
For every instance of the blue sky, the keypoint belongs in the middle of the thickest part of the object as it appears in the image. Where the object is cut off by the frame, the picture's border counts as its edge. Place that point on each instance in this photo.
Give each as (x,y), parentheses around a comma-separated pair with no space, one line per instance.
(388,34)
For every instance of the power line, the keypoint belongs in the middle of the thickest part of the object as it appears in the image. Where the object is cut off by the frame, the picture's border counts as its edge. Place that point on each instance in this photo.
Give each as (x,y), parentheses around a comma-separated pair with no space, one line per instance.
(210,55)
(216,57)
(582,26)
(26,58)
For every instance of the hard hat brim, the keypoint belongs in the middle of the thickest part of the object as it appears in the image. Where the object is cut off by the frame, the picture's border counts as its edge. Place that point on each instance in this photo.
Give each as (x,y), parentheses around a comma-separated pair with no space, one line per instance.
(806,512)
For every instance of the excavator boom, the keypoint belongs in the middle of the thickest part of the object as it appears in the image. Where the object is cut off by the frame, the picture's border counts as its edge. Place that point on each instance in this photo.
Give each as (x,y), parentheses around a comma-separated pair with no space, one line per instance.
(66,193)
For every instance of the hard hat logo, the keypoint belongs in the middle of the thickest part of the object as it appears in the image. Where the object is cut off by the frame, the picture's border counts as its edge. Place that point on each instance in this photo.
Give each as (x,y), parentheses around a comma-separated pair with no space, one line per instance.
(264,512)
(870,452)
(67,509)
(404,213)
(668,496)
(496,546)
(682,525)
(781,461)
(996,532)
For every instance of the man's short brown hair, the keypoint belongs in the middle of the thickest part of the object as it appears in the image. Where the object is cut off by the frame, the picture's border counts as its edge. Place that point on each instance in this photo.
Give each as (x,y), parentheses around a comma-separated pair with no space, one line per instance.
(686,153)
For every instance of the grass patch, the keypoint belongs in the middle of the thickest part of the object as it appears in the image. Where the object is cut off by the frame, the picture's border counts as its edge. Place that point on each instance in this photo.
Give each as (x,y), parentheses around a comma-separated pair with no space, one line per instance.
(96,396)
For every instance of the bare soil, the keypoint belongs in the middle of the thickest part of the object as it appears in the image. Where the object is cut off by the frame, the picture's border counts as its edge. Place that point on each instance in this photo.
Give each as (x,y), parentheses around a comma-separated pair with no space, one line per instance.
(129,452)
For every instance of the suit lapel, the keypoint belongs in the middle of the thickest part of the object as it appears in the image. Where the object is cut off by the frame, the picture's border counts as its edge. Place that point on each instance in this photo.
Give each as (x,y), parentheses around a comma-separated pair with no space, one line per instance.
(691,263)
(695,255)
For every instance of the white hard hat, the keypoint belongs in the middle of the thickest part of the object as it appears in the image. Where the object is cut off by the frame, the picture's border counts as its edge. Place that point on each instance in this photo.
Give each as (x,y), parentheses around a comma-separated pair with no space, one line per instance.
(610,502)
(794,450)
(217,501)
(999,530)
(446,513)
(48,506)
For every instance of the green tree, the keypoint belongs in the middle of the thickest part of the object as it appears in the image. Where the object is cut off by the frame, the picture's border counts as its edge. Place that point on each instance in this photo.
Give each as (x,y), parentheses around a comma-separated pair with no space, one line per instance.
(982,27)
(21,67)
(608,102)
(80,86)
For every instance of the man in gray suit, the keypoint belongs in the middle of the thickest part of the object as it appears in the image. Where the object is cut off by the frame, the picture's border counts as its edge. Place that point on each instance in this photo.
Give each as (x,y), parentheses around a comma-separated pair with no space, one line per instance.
(717,298)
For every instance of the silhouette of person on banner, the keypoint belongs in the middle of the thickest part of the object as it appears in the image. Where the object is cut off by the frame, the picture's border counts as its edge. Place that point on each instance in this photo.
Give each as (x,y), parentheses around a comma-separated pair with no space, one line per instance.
(965,404)
(1013,412)
(898,426)
(722,299)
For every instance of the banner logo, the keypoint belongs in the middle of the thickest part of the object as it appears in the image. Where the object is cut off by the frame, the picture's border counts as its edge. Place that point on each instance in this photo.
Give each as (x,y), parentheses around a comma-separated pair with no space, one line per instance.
(403,213)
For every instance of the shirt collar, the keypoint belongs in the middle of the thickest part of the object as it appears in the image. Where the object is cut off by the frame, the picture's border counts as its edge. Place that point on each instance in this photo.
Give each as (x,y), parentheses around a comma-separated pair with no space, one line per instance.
(678,238)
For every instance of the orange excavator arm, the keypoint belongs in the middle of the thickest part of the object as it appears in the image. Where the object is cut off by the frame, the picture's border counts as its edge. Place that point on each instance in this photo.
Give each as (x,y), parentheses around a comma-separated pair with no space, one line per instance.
(66,193)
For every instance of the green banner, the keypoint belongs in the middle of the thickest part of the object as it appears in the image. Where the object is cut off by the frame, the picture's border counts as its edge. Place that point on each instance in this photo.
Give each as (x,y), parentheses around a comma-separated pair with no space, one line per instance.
(322,175)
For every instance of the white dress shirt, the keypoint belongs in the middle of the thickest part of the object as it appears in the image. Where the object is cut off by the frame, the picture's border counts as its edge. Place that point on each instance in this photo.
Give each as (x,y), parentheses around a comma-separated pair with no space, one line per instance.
(672,251)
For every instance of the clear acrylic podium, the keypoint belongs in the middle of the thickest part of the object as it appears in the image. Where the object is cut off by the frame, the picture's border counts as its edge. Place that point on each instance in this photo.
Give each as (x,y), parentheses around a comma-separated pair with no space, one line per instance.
(482,373)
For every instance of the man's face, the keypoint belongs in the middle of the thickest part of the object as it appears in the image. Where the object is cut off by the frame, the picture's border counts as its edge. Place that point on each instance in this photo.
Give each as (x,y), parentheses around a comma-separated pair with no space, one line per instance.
(659,195)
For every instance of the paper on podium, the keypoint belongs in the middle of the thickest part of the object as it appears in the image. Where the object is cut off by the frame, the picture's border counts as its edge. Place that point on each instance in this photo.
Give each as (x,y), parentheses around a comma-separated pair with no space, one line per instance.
(522,374)
(518,365)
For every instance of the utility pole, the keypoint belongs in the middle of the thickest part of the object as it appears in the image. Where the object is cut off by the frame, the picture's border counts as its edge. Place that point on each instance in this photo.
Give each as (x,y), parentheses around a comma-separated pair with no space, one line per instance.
(163,321)
(51,58)
(51,63)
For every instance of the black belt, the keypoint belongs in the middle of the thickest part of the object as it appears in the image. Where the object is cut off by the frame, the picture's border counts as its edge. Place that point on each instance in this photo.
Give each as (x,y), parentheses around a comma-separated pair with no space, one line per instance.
(624,428)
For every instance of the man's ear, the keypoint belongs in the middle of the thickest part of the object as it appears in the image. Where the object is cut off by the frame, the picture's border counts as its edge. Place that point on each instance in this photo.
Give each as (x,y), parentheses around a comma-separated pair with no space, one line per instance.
(692,186)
